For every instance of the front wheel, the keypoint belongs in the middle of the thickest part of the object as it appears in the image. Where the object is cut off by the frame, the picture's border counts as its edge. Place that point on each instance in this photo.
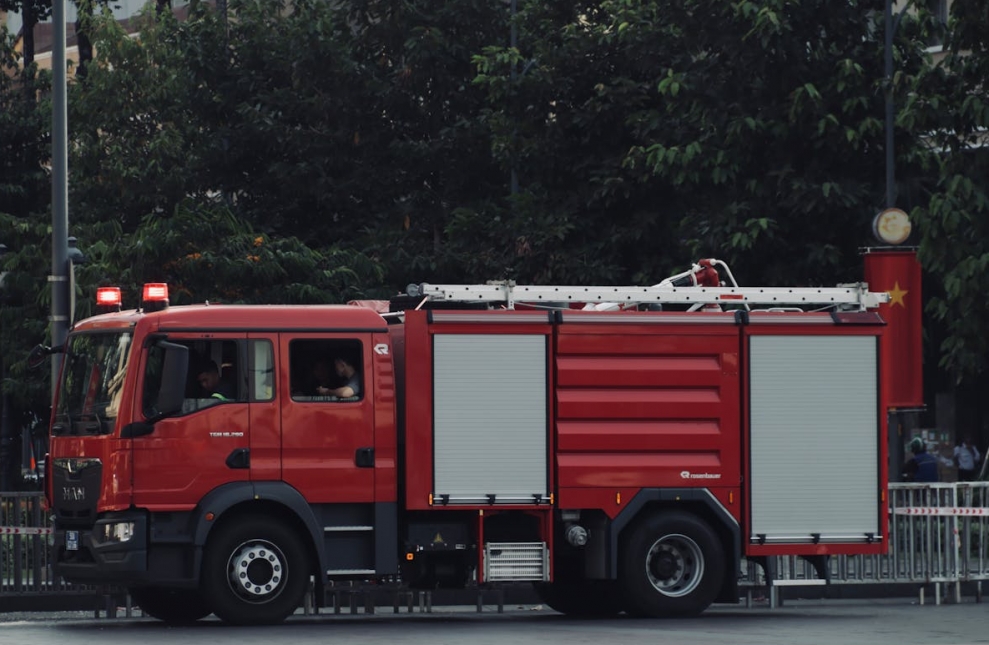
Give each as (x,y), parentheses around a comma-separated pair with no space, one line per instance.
(672,565)
(255,571)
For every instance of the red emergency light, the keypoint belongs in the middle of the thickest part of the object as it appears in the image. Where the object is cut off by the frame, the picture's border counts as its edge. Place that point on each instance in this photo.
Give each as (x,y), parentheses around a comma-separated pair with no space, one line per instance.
(108,297)
(155,296)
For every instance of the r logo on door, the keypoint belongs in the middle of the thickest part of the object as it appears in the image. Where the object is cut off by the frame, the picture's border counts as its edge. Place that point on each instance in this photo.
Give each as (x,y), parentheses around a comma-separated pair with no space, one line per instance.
(381,348)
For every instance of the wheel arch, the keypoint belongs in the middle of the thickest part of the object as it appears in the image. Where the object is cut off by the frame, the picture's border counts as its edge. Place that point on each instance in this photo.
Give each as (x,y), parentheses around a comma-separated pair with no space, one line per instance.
(278,500)
(696,501)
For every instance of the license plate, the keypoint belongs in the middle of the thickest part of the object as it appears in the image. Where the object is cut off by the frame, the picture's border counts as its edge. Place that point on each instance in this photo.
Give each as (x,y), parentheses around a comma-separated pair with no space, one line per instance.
(72,540)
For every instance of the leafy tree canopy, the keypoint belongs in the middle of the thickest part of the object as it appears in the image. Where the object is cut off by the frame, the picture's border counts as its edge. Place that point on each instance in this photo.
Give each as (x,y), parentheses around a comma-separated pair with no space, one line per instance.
(949,108)
(315,152)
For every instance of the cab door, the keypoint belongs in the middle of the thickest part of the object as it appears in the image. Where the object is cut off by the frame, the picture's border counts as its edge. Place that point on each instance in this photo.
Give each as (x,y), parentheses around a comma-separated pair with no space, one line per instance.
(208,443)
(327,442)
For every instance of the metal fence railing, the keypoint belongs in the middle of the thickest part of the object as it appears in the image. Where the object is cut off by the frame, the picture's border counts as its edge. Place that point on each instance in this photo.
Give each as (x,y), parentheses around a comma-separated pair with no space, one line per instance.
(938,533)
(25,548)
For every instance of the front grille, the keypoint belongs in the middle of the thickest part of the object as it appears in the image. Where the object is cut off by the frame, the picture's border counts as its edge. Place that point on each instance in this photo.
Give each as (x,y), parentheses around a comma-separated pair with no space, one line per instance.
(75,491)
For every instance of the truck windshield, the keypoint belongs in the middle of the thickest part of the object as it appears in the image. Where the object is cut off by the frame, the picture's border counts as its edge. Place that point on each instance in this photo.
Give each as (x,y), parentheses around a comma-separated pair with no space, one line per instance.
(92,382)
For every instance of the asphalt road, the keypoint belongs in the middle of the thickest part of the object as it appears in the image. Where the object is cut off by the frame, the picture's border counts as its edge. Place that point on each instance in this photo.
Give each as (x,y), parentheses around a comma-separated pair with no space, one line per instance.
(865,622)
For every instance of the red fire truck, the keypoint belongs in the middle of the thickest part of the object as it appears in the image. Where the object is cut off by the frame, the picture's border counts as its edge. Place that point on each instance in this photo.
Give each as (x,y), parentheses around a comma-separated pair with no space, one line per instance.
(624,454)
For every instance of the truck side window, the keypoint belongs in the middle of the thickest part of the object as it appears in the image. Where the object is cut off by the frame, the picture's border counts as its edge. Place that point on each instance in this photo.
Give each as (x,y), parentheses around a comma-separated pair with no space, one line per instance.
(262,370)
(215,374)
(326,370)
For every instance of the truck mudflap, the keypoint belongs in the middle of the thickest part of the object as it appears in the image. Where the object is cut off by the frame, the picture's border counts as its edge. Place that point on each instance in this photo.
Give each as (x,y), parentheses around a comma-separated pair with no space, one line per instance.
(114,550)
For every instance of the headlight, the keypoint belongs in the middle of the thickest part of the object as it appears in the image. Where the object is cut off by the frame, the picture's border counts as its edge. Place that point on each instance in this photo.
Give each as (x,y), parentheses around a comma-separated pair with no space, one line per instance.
(117,532)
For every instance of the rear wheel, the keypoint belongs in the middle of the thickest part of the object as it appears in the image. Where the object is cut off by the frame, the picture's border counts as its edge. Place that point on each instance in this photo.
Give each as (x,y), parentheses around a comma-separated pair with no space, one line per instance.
(581,598)
(255,571)
(176,606)
(672,565)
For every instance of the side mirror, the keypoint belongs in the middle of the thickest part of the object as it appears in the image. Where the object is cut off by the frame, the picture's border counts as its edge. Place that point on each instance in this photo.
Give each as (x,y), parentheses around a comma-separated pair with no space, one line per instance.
(38,356)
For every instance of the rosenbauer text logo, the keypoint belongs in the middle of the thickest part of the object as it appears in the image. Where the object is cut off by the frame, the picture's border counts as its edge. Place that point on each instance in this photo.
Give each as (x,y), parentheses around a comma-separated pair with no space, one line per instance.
(686,474)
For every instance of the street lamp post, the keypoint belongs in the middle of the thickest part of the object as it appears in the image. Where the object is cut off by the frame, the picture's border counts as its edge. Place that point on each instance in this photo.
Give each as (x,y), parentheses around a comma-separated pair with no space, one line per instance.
(892,23)
(514,43)
(892,227)
(890,115)
(60,192)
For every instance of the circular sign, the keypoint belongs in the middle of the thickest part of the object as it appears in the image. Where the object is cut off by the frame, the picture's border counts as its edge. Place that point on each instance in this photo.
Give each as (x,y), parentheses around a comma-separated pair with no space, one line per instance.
(891,226)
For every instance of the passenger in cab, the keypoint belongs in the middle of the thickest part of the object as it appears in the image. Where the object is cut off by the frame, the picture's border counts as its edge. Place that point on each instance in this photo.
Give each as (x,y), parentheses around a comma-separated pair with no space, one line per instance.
(213,386)
(351,381)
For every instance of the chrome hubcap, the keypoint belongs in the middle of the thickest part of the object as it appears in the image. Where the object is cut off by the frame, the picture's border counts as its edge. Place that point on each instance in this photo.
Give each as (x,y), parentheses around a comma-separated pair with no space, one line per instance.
(256,570)
(675,565)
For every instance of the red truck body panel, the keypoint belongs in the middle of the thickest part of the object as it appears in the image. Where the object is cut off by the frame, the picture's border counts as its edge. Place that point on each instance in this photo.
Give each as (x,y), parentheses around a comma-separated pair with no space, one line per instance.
(640,406)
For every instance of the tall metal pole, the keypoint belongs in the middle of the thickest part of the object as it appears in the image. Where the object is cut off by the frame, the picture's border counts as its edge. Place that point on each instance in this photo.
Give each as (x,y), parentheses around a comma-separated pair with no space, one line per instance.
(60,191)
(890,157)
(901,421)
(514,43)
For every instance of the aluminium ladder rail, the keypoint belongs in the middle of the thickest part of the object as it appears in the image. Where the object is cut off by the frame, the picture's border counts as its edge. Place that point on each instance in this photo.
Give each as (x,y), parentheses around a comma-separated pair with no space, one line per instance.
(854,297)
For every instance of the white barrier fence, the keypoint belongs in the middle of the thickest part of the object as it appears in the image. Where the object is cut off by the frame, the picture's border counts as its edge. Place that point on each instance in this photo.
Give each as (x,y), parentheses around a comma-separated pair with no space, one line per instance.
(25,549)
(938,533)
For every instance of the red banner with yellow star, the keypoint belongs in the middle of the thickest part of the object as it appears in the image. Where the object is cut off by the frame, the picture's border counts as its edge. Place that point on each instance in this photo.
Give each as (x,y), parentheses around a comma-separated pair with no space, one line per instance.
(898,273)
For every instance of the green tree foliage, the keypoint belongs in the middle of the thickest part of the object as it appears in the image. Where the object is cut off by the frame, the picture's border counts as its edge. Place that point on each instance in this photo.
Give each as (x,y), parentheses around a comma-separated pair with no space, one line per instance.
(24,186)
(950,105)
(210,254)
(351,124)
(210,177)
(427,147)
(657,132)
(355,124)
(317,151)
(25,192)
(139,141)
(32,12)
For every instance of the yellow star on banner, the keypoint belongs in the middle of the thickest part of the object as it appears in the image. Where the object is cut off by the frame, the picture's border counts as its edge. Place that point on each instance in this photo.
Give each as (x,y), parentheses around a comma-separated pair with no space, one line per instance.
(896,295)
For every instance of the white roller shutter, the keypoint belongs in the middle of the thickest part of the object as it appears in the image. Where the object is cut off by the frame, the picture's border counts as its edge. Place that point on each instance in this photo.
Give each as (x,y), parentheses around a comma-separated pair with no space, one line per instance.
(490,415)
(814,438)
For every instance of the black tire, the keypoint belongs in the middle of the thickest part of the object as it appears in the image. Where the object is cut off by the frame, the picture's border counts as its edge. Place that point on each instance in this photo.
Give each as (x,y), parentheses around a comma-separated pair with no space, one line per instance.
(581,598)
(174,606)
(255,571)
(672,564)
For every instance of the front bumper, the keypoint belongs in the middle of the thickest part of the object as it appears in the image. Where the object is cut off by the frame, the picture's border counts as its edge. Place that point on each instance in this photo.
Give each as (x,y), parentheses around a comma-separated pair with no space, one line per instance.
(91,560)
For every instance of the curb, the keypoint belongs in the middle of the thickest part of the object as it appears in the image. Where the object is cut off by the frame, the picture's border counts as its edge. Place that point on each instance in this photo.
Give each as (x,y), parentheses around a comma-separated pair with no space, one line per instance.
(108,603)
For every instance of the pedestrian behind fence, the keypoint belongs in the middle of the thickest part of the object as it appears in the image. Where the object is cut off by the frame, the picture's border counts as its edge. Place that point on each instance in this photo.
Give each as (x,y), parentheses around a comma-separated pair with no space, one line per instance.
(922,467)
(967,459)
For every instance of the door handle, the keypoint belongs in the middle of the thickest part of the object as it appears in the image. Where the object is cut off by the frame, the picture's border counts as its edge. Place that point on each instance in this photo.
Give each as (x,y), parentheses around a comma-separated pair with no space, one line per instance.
(239,459)
(364,458)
